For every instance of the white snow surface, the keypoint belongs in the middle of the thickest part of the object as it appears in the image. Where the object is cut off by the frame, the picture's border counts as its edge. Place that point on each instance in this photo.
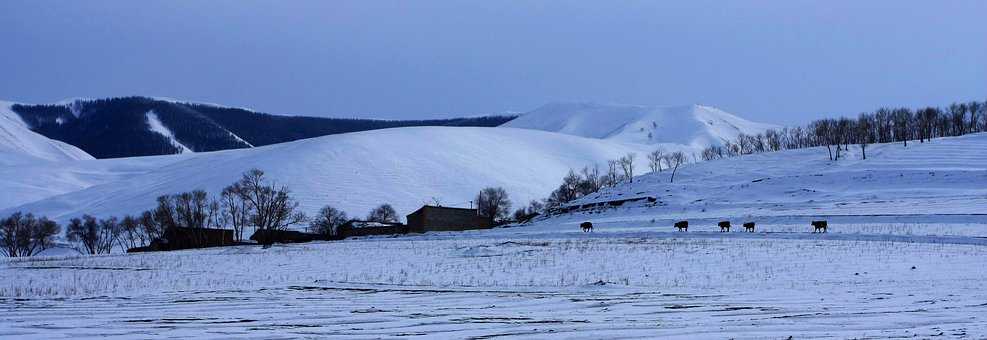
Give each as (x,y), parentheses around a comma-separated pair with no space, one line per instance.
(512,283)
(943,176)
(20,145)
(155,124)
(689,127)
(355,172)
(35,180)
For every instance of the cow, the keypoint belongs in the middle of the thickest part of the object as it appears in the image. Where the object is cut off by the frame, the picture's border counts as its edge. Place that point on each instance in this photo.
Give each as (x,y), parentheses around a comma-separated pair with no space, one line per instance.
(682,225)
(724,226)
(749,227)
(586,226)
(819,226)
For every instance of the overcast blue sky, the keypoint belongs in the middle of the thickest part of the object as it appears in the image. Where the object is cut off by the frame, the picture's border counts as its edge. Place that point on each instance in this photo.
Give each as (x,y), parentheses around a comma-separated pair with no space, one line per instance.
(775,61)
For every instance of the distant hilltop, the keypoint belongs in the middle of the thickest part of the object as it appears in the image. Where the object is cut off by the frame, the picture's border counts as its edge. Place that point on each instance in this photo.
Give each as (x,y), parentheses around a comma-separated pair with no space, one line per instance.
(681,127)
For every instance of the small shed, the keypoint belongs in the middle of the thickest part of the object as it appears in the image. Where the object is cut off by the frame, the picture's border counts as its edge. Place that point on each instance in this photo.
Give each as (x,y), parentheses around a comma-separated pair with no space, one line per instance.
(435,218)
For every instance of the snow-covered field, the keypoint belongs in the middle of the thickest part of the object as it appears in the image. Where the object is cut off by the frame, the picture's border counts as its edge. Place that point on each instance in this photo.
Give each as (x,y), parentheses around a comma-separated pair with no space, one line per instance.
(511,282)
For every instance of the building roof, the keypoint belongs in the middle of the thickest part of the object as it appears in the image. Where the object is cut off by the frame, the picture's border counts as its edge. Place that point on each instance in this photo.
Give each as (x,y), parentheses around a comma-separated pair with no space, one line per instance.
(370,224)
(438,207)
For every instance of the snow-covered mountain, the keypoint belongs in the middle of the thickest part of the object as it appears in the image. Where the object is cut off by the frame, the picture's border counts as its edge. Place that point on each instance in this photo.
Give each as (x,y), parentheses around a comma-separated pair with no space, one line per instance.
(144,126)
(18,144)
(689,127)
(405,167)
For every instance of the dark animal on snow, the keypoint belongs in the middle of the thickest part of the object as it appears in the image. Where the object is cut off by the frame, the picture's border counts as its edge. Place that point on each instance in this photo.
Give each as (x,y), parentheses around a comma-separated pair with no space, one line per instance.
(586,226)
(682,225)
(749,227)
(819,226)
(724,226)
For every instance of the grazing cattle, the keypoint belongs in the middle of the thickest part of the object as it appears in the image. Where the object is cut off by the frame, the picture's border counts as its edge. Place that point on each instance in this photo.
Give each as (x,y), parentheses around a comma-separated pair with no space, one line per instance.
(682,225)
(586,226)
(819,226)
(724,226)
(749,227)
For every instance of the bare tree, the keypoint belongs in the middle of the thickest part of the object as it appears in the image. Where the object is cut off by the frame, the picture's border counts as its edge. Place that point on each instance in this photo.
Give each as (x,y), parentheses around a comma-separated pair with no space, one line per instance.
(132,233)
(164,214)
(14,236)
(568,190)
(93,236)
(272,207)
(525,213)
(535,206)
(863,131)
(328,221)
(654,160)
(152,229)
(712,152)
(613,176)
(590,182)
(627,165)
(45,231)
(902,120)
(675,159)
(384,213)
(821,131)
(493,203)
(520,214)
(26,235)
(235,209)
(974,107)
(192,209)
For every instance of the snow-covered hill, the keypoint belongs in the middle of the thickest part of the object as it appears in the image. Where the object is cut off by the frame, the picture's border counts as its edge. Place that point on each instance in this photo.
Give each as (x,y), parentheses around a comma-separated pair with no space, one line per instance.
(945,177)
(19,145)
(357,171)
(690,127)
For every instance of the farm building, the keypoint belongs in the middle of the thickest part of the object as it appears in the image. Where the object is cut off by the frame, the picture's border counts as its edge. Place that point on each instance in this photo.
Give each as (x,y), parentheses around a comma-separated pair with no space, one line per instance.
(177,238)
(367,228)
(433,218)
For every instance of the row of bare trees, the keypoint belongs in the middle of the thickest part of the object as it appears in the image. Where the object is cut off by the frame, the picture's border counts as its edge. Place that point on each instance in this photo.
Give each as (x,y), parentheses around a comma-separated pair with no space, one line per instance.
(884,125)
(251,202)
(671,160)
(577,184)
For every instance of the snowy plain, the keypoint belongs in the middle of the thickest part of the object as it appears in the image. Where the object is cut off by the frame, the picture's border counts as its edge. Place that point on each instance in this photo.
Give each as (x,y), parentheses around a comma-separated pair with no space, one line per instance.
(486,285)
